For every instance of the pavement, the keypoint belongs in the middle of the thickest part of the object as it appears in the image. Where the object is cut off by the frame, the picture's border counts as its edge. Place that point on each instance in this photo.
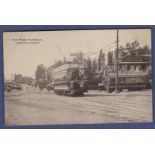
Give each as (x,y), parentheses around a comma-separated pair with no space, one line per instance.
(33,107)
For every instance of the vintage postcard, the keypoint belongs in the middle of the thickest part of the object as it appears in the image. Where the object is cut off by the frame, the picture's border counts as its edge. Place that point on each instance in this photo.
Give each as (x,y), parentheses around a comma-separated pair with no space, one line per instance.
(78,77)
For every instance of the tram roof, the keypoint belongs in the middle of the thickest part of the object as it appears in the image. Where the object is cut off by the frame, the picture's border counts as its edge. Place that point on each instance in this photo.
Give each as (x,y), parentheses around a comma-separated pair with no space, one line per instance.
(68,65)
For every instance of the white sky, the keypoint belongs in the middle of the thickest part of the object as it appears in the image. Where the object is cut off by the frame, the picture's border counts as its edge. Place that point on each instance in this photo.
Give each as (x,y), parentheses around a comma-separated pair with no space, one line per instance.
(23,58)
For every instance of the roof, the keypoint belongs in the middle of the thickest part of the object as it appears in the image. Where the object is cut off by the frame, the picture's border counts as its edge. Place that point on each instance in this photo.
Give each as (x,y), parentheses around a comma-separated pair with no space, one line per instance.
(136,59)
(146,58)
(64,67)
(132,59)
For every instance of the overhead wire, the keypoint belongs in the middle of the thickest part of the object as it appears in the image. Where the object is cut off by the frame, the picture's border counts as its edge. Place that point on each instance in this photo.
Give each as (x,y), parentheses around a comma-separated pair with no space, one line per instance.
(106,47)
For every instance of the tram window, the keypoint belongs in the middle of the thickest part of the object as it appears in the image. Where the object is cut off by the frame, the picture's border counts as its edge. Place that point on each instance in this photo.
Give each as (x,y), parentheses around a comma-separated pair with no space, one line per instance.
(124,68)
(112,80)
(138,67)
(122,79)
(143,67)
(128,80)
(75,75)
(132,67)
(128,67)
(143,79)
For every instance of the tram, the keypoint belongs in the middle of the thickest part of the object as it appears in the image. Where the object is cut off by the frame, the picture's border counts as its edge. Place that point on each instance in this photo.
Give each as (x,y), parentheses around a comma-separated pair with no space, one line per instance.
(126,80)
(69,79)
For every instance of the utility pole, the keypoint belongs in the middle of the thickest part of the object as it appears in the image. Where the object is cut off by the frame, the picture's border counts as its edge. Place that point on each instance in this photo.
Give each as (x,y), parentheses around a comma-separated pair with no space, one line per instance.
(117,45)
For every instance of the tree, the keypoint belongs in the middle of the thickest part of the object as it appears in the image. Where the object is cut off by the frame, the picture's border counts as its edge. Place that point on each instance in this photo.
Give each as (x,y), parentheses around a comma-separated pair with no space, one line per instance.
(147,49)
(49,74)
(135,44)
(28,80)
(128,46)
(101,60)
(122,52)
(89,72)
(94,66)
(40,76)
(132,47)
(110,58)
(18,78)
(144,51)
(40,72)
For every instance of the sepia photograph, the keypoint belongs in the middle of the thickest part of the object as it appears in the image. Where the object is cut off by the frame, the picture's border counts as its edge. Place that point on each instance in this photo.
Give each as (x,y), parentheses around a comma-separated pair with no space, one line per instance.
(77,77)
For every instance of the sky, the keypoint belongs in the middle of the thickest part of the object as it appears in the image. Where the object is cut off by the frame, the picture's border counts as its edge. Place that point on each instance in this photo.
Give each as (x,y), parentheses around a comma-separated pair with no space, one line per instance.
(23,51)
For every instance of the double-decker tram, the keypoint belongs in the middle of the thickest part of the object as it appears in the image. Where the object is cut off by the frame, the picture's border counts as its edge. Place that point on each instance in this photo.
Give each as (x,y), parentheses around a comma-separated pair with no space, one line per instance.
(127,79)
(69,79)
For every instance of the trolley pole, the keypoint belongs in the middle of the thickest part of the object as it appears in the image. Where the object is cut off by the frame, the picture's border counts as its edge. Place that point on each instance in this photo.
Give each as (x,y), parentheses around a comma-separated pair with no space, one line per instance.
(117,43)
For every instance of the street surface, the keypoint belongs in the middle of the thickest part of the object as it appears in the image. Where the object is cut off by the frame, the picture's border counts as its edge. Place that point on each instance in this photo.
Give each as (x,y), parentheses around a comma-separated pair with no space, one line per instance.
(32,107)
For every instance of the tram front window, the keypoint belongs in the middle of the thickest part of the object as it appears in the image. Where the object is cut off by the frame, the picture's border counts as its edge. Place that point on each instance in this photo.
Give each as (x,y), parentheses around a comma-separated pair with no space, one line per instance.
(75,75)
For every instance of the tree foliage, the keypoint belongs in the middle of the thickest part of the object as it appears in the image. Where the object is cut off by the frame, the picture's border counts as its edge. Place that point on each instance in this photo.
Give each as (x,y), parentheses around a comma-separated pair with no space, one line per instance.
(20,79)
(89,71)
(40,72)
(40,76)
(94,66)
(133,49)
(144,51)
(101,60)
(50,74)
(110,58)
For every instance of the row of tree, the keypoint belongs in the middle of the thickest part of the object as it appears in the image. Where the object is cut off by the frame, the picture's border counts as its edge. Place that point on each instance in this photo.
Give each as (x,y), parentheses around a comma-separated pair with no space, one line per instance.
(130,49)
(20,79)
